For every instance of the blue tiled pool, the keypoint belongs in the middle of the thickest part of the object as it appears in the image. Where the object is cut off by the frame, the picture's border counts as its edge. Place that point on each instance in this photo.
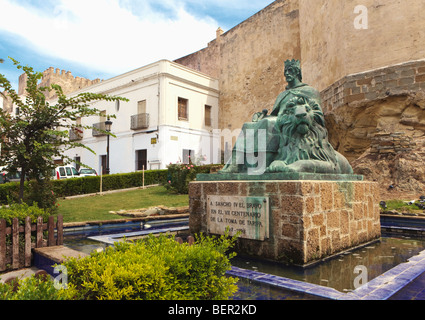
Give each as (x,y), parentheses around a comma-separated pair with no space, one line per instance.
(395,268)
(342,271)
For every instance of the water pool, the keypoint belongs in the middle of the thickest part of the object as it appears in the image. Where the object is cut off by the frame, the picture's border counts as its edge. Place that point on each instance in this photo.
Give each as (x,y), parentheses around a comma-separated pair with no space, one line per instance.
(340,273)
(337,272)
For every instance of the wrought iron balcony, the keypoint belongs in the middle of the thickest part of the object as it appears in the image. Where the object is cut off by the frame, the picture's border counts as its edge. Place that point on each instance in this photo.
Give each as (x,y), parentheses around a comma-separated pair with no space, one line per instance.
(139,121)
(96,129)
(76,134)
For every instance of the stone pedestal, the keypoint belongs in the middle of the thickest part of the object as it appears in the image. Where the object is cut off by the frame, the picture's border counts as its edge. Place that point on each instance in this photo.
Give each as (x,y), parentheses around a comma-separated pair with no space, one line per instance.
(307,219)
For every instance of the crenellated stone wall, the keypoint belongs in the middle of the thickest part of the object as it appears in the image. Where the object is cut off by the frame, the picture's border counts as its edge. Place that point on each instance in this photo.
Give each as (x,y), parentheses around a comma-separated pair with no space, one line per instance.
(65,79)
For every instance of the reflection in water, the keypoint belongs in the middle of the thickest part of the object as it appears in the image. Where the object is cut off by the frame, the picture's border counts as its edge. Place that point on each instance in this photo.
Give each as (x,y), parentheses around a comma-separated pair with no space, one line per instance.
(83,244)
(344,272)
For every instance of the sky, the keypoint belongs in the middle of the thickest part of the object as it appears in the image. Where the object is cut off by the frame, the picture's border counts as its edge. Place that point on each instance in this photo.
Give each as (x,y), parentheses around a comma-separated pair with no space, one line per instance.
(105,38)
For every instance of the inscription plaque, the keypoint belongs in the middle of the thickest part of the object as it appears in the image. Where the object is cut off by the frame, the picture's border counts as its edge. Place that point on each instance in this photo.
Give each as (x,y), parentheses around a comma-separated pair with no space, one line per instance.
(247,215)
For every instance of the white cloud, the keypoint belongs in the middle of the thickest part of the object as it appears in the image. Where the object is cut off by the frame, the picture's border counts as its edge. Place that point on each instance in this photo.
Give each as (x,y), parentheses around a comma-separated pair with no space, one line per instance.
(109,35)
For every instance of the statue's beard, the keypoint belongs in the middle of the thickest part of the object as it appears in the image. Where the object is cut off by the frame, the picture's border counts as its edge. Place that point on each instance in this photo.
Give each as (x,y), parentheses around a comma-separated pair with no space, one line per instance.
(305,141)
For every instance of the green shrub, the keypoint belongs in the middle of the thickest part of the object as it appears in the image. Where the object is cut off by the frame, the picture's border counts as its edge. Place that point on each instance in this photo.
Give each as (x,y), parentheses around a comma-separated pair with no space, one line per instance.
(21,211)
(179,176)
(41,193)
(176,178)
(32,288)
(9,192)
(156,268)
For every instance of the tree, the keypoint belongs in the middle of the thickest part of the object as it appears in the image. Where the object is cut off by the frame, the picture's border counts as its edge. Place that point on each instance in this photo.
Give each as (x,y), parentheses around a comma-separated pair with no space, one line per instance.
(1,93)
(39,132)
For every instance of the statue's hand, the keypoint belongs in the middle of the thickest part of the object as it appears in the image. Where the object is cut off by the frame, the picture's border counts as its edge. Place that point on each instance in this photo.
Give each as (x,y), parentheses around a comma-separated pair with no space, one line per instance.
(259,115)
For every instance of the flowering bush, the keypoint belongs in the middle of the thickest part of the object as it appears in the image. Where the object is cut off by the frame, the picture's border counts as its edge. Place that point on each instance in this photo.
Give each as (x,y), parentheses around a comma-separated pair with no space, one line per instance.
(179,175)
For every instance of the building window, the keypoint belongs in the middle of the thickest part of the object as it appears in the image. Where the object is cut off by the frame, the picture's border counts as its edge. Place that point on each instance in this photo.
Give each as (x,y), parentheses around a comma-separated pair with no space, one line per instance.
(208,121)
(183,108)
(141,107)
(188,156)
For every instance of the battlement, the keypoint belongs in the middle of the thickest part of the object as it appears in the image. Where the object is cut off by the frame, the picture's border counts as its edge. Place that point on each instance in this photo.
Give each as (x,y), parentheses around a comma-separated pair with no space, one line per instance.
(65,79)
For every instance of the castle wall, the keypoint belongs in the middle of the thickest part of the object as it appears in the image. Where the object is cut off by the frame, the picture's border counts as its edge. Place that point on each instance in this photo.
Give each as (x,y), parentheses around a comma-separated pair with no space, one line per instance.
(332,47)
(249,61)
(6,103)
(63,78)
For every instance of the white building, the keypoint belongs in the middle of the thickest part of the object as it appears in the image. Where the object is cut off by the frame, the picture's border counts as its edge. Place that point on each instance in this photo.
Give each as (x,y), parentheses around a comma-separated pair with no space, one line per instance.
(171,114)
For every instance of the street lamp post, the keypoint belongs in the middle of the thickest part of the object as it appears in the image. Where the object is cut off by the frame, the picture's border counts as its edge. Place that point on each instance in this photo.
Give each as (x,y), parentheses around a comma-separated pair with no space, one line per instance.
(108,124)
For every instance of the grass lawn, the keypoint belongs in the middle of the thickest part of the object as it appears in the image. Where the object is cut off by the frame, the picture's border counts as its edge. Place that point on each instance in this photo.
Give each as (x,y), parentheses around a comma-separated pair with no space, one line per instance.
(402,206)
(98,207)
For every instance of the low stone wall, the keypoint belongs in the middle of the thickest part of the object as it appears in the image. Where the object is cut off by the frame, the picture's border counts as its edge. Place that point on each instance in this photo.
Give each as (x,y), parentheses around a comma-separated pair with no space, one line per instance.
(309,220)
(375,84)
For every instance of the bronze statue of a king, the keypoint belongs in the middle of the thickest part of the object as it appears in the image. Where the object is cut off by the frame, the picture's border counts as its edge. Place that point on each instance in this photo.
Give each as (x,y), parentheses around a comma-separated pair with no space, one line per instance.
(292,138)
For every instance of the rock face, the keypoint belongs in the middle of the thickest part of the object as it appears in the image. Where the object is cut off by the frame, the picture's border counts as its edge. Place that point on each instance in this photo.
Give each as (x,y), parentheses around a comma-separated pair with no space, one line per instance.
(376,119)
(399,172)
(356,127)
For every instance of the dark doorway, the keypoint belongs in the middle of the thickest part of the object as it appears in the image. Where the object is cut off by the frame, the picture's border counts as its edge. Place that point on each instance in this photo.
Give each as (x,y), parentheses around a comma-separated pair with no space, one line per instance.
(103,164)
(141,159)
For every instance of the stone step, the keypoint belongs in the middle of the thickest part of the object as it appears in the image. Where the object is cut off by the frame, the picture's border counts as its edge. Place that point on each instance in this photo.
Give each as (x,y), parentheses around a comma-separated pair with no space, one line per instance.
(45,258)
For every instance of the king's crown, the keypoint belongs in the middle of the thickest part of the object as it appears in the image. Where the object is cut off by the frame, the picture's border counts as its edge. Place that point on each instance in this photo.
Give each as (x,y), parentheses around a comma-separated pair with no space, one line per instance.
(293,63)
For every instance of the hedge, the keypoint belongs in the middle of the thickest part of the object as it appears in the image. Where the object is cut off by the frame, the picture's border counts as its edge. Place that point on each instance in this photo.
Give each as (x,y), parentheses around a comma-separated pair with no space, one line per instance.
(9,191)
(85,185)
